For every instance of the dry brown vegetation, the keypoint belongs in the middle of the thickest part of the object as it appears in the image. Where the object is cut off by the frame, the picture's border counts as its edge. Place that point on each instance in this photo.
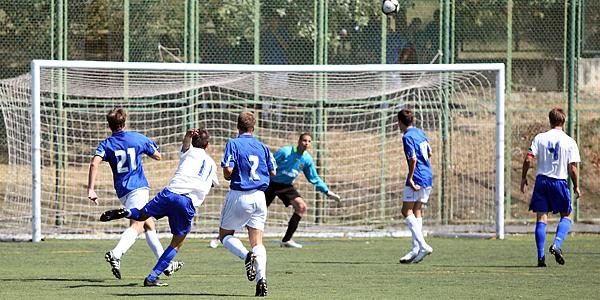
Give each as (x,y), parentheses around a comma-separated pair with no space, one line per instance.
(365,168)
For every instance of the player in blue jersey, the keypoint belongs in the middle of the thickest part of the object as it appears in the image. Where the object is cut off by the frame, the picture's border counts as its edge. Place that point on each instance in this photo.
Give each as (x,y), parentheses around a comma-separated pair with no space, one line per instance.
(556,155)
(419,183)
(291,161)
(248,164)
(196,173)
(123,151)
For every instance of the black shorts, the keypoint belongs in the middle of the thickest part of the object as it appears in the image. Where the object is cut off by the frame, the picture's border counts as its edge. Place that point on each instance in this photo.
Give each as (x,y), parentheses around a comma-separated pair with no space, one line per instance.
(285,192)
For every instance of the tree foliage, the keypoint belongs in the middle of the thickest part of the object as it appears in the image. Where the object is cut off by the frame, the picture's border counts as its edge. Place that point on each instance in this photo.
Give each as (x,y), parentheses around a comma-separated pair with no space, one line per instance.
(95,28)
(537,24)
(24,33)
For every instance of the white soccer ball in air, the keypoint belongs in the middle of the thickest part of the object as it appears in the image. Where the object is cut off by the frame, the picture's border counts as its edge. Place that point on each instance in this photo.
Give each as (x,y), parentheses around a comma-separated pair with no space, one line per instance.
(390,6)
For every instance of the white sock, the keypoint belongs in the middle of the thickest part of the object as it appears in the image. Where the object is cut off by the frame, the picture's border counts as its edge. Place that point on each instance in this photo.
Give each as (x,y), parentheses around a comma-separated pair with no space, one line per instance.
(415,229)
(235,246)
(415,243)
(154,243)
(127,239)
(261,261)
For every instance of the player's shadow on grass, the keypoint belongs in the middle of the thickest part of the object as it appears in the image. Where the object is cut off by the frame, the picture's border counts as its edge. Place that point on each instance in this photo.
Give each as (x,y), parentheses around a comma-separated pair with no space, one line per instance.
(52,279)
(488,266)
(103,285)
(340,262)
(149,294)
(71,280)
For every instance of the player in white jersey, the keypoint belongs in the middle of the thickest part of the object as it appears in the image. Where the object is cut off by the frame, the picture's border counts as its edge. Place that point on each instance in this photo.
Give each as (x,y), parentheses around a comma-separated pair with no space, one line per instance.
(123,151)
(248,164)
(193,179)
(556,155)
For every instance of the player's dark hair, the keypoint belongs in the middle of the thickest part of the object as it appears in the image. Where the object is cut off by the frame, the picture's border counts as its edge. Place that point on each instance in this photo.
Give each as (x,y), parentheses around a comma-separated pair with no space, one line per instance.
(302,135)
(557,117)
(245,122)
(116,119)
(406,117)
(201,139)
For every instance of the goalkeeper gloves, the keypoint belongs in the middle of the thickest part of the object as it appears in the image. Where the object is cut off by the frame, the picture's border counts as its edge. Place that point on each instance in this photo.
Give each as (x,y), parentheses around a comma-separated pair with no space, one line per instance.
(333,195)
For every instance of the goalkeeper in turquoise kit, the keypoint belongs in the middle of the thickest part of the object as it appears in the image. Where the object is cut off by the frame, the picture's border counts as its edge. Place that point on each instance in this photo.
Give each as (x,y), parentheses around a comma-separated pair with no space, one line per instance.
(291,161)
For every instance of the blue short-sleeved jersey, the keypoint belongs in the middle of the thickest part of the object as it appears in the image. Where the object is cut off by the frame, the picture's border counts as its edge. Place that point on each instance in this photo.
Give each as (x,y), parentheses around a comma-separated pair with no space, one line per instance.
(251,161)
(123,151)
(416,145)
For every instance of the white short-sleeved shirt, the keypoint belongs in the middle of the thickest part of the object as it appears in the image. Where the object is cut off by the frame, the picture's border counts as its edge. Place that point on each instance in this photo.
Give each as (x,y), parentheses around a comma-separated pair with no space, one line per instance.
(554,151)
(195,175)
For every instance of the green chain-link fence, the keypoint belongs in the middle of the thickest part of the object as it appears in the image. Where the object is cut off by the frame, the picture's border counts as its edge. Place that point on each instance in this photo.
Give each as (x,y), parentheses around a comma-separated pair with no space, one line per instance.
(551,48)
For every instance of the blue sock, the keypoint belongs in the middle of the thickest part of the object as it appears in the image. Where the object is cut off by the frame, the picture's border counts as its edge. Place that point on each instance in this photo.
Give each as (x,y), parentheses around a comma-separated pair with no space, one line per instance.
(561,231)
(540,238)
(163,263)
(134,214)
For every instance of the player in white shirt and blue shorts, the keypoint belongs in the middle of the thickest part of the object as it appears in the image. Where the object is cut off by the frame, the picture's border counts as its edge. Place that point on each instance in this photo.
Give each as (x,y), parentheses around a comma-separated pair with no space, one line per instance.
(248,164)
(556,155)
(193,179)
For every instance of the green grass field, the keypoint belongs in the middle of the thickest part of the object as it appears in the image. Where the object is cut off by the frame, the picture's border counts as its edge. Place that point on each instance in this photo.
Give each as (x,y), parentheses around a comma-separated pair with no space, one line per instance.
(324,269)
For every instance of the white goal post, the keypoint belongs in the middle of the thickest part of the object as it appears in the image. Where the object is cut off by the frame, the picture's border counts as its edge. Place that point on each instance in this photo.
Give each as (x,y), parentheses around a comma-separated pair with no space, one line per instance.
(349,109)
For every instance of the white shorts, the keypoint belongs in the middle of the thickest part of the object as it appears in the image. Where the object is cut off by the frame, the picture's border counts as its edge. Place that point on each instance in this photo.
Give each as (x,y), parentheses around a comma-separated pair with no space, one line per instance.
(244,208)
(421,195)
(136,198)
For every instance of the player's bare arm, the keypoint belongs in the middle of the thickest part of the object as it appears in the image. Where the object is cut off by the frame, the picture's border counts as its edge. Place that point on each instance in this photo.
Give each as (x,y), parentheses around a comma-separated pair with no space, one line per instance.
(227,171)
(526,165)
(574,179)
(93,171)
(156,155)
(412,165)
(187,139)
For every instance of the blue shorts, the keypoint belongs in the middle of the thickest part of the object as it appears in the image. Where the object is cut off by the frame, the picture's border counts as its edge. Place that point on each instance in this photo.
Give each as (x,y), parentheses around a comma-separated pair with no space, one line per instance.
(178,208)
(550,195)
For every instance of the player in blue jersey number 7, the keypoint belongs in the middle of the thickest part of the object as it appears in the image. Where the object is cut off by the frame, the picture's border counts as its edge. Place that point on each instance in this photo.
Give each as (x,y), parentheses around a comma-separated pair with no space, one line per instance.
(291,161)
(557,156)
(123,151)
(419,182)
(248,164)
(193,179)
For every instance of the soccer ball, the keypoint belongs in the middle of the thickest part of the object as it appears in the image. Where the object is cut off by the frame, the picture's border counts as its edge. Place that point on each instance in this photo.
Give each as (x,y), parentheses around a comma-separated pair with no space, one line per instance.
(390,6)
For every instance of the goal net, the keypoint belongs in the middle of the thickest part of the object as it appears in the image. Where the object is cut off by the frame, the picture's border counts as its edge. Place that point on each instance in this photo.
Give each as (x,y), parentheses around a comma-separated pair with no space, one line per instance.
(56,116)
